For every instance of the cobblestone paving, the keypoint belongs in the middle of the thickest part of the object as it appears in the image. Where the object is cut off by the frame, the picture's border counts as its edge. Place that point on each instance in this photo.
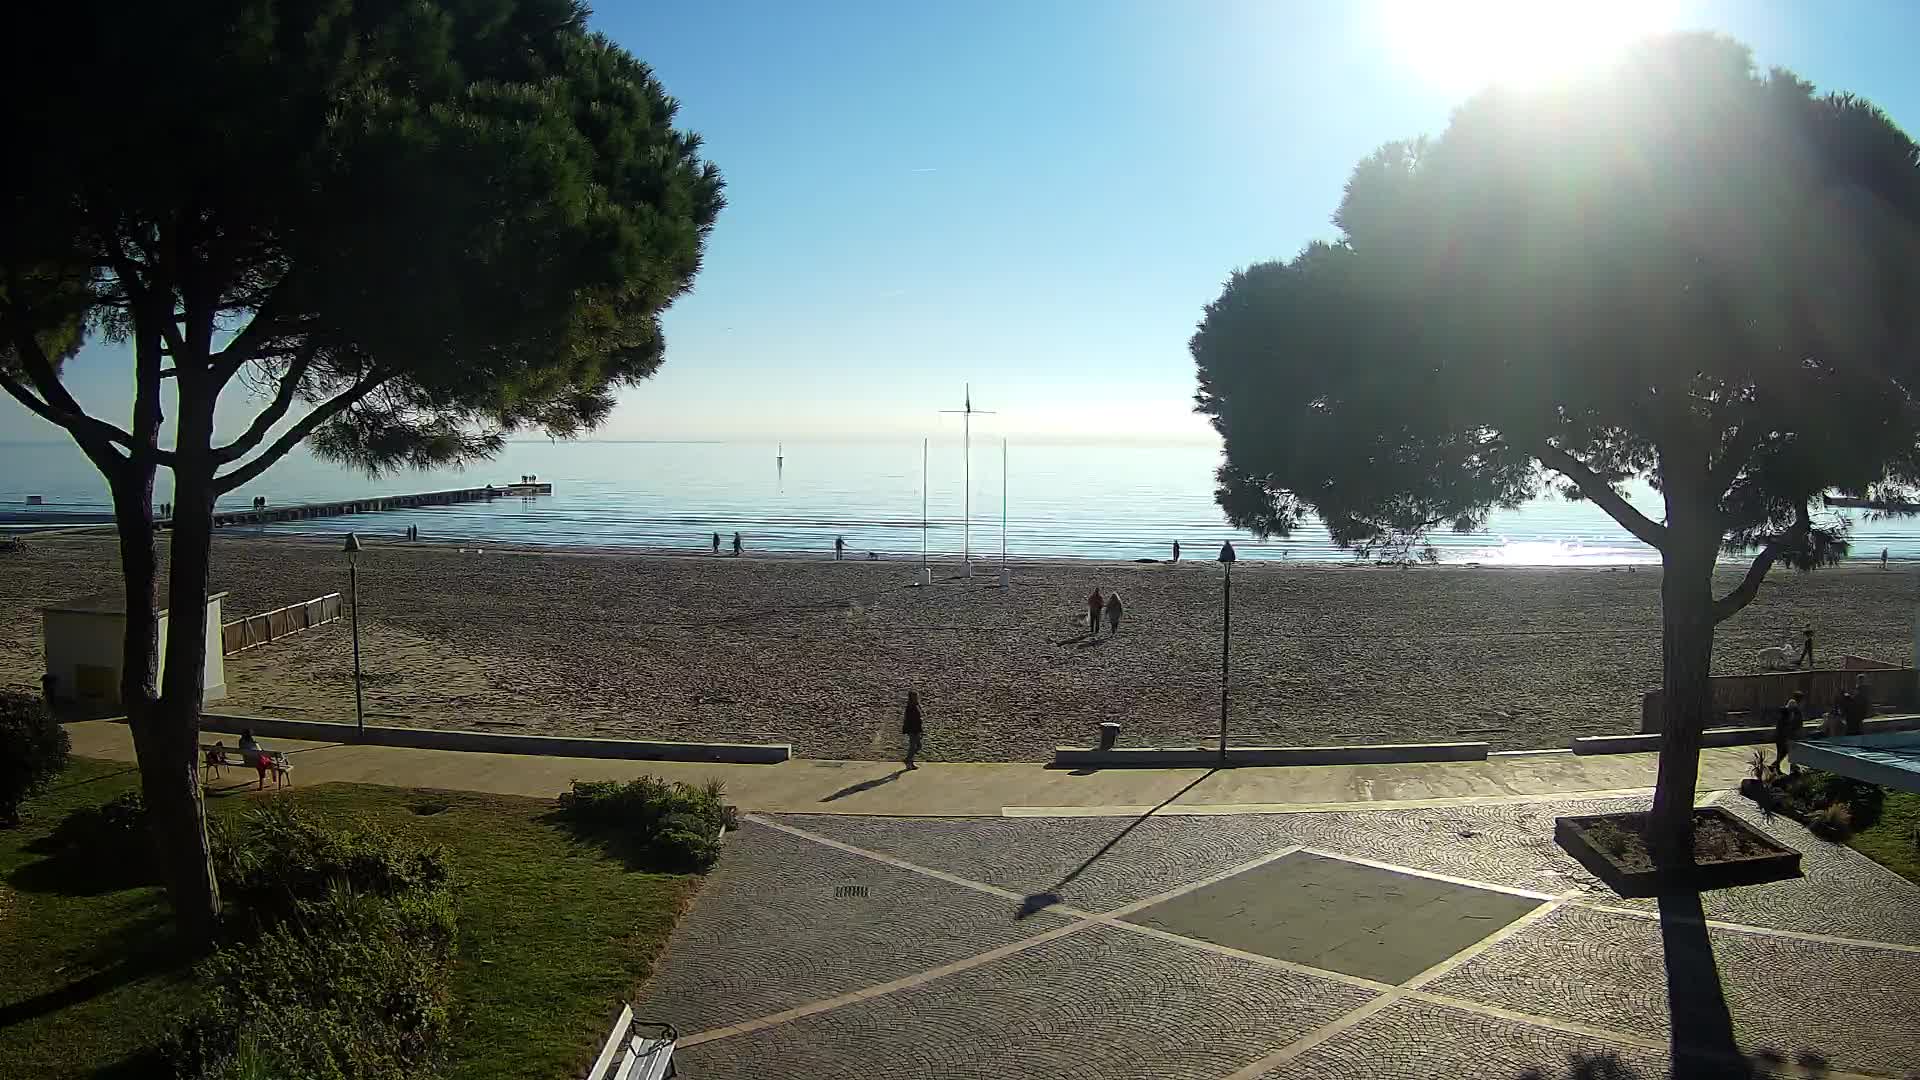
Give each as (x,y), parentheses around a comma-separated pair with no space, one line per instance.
(1851,1005)
(768,932)
(1102,1000)
(1414,1040)
(1103,1004)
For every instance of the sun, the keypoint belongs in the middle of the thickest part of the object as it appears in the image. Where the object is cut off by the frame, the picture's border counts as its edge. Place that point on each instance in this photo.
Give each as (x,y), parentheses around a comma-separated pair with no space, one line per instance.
(1459,46)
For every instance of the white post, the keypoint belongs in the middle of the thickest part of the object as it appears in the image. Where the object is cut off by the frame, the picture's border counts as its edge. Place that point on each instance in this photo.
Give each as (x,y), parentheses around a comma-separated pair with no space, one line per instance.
(1005,579)
(966,483)
(926,573)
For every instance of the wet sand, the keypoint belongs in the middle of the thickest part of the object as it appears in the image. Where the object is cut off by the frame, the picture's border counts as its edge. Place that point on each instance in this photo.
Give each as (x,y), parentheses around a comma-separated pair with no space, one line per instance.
(821,654)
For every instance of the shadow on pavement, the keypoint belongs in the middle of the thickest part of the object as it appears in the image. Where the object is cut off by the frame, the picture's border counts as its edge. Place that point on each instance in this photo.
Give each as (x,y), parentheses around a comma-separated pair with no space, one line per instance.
(865,785)
(1040,901)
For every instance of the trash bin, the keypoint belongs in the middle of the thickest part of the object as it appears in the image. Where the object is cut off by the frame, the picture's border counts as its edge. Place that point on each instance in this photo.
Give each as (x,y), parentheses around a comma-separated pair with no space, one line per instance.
(1109,734)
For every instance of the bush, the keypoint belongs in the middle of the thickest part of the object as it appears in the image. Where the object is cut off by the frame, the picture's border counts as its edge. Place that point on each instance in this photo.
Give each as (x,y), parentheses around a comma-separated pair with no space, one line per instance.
(111,840)
(271,859)
(1833,821)
(352,987)
(654,823)
(33,750)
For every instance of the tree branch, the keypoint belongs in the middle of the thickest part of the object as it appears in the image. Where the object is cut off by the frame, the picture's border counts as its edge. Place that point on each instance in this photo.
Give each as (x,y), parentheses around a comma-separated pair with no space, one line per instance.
(277,409)
(300,430)
(1731,604)
(1596,488)
(1745,439)
(55,404)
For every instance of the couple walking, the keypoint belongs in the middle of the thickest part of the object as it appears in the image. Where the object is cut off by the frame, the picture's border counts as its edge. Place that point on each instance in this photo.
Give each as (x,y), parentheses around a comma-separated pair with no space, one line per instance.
(1111,605)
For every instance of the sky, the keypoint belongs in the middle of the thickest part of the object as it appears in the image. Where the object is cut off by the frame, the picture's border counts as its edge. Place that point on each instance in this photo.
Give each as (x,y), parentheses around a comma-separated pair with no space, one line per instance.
(1040,197)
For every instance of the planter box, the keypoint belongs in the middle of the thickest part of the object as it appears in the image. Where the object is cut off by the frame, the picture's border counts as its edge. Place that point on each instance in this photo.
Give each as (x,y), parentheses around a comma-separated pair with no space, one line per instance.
(1746,856)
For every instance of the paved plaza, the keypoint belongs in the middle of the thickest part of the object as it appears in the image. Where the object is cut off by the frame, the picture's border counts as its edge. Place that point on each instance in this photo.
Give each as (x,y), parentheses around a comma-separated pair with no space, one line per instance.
(1381,944)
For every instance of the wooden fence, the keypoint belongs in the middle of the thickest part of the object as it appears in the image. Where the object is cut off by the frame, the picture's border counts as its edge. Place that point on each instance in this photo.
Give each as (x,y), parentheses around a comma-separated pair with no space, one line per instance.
(259,629)
(1751,699)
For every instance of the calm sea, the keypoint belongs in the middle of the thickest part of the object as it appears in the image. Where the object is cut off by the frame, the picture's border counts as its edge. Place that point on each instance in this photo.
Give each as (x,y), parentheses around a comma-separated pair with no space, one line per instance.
(1101,502)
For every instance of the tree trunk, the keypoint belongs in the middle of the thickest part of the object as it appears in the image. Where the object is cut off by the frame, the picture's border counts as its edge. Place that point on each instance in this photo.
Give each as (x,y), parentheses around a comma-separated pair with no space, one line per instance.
(172,732)
(1686,646)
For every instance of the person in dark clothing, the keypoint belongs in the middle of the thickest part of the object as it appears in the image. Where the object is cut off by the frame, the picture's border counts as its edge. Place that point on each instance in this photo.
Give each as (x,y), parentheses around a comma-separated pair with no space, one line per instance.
(1855,717)
(738,547)
(1806,648)
(839,548)
(1793,718)
(716,543)
(910,727)
(1095,605)
(1176,551)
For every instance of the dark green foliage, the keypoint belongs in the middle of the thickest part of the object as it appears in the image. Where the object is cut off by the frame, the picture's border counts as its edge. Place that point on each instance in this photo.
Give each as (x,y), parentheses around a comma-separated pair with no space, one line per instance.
(1831,805)
(340,964)
(33,750)
(349,987)
(109,845)
(656,824)
(274,858)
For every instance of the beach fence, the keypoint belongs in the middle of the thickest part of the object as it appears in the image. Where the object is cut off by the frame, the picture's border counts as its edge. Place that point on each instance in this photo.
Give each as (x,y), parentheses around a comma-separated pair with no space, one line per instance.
(1752,698)
(244,634)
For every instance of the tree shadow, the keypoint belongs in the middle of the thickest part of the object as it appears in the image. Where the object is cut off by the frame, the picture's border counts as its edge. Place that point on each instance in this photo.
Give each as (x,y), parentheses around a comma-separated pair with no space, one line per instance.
(1702,1041)
(865,785)
(1040,901)
(143,947)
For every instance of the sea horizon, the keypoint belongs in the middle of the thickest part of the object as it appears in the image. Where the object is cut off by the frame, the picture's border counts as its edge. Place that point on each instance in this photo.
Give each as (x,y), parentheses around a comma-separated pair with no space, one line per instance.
(1063,500)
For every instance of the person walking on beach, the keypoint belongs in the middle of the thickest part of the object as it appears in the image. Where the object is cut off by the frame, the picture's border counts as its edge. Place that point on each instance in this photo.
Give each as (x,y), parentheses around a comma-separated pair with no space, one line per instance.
(716,543)
(1793,717)
(1176,551)
(1095,604)
(1806,648)
(910,727)
(839,548)
(737,545)
(1883,558)
(1114,611)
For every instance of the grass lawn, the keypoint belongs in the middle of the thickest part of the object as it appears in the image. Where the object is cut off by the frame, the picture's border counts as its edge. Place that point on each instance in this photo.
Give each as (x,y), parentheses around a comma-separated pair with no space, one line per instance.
(1890,842)
(553,934)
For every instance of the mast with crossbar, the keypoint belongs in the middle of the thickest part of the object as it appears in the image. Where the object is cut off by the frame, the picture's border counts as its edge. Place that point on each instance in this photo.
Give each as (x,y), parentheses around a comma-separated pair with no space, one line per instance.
(966,531)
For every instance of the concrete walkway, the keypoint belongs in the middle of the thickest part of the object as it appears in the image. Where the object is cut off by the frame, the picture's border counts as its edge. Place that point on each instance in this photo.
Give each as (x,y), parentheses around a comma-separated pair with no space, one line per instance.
(941,789)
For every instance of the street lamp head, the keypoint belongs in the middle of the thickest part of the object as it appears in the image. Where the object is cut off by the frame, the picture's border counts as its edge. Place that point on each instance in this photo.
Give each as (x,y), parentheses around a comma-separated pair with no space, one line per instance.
(1226,552)
(353,544)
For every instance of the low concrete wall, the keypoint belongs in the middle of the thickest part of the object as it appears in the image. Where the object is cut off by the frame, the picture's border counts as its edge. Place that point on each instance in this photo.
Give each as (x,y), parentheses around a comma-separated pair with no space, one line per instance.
(1750,696)
(1200,757)
(1724,736)
(270,727)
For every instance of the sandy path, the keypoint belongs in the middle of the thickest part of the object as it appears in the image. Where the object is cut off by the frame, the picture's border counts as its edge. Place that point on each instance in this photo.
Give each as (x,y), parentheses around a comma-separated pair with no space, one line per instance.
(821,654)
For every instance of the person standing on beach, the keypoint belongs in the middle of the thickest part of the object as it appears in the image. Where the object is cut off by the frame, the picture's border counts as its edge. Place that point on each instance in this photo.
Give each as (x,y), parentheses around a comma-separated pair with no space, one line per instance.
(738,547)
(839,548)
(1095,604)
(1806,648)
(1883,558)
(716,543)
(910,727)
(1176,551)
(1114,611)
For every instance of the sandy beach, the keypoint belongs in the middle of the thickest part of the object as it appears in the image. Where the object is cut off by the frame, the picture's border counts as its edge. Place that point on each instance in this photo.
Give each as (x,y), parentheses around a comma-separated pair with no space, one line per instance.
(821,654)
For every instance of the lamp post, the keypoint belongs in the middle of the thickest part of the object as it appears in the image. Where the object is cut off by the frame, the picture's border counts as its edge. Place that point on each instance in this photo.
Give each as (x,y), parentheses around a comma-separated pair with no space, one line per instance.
(1226,636)
(353,592)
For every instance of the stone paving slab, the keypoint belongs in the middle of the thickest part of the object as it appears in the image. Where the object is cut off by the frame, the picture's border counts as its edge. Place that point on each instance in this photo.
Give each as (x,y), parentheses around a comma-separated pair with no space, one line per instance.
(1102,1004)
(768,933)
(1414,1040)
(1853,1006)
(1841,893)
(1338,915)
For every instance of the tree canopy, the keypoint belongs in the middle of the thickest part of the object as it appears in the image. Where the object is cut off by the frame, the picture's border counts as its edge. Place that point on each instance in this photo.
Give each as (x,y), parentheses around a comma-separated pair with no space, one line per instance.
(1673,268)
(404,227)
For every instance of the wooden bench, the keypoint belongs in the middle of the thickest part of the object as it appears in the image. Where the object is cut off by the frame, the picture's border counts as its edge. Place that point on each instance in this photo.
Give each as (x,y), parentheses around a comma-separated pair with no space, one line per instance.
(636,1050)
(213,757)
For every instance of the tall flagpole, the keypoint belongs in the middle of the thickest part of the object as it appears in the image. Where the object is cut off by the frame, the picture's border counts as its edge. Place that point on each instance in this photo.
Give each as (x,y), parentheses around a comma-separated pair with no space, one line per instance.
(967,477)
(926,574)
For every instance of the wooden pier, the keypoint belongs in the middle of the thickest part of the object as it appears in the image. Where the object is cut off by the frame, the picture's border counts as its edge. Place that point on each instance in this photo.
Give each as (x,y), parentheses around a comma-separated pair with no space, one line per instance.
(373,504)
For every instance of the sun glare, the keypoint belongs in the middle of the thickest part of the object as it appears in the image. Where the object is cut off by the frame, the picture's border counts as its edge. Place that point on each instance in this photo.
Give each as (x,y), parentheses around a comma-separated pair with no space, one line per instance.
(1462,45)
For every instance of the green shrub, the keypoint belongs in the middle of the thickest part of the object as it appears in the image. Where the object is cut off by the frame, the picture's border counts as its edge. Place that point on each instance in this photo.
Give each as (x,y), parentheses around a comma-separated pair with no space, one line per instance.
(657,824)
(340,962)
(33,750)
(347,988)
(271,859)
(1830,805)
(112,839)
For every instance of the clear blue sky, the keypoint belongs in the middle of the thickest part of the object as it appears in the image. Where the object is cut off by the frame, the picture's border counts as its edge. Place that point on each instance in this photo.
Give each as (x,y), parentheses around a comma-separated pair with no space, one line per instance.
(1040,196)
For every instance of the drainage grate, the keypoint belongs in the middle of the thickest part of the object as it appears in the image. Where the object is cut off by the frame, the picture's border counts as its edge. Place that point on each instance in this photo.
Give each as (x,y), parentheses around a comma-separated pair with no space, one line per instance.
(842,892)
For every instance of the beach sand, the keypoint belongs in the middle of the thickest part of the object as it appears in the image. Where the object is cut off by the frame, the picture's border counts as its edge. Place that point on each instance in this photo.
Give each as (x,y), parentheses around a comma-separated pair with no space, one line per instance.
(821,654)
